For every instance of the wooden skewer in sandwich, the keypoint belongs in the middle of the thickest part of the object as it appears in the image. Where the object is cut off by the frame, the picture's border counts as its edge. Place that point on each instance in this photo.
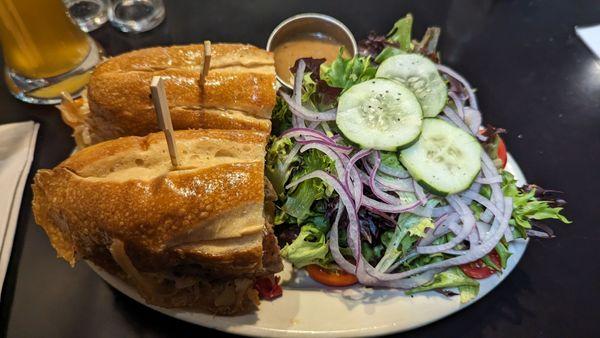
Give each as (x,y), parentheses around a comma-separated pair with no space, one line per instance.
(159,97)
(206,64)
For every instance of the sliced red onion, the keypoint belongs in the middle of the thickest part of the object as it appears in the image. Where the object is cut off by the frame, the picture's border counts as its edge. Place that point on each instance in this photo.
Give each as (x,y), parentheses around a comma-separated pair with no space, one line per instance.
(453,116)
(314,124)
(458,104)
(389,183)
(389,170)
(483,227)
(419,192)
(471,117)
(402,283)
(474,253)
(410,255)
(450,72)
(489,180)
(292,154)
(334,246)
(298,78)
(483,201)
(375,188)
(437,212)
(394,184)
(508,235)
(468,221)
(337,158)
(337,147)
(352,177)
(390,208)
(497,199)
(299,133)
(474,119)
(353,226)
(447,224)
(306,114)
(429,236)
(456,252)
(297,121)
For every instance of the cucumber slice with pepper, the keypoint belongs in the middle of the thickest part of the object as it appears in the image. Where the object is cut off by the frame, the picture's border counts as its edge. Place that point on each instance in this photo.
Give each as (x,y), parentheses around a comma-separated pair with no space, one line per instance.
(380,114)
(422,77)
(445,160)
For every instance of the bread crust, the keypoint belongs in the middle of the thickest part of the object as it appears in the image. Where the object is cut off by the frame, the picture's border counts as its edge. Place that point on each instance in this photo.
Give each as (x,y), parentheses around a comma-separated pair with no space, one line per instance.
(239,91)
(82,208)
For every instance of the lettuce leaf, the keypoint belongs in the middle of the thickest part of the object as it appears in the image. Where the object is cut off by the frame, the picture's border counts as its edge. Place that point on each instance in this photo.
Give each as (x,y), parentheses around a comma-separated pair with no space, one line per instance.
(420,228)
(399,39)
(390,159)
(451,278)
(344,73)
(300,200)
(281,116)
(310,247)
(317,93)
(526,207)
(298,203)
(468,292)
(276,169)
(408,231)
(502,250)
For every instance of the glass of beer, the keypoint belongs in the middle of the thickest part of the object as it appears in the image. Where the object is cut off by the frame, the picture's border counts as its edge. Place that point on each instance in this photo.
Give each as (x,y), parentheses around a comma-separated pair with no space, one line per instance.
(45,53)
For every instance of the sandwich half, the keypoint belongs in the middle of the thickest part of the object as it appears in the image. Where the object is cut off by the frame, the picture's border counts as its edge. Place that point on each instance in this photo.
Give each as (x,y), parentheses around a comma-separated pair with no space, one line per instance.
(239,92)
(198,237)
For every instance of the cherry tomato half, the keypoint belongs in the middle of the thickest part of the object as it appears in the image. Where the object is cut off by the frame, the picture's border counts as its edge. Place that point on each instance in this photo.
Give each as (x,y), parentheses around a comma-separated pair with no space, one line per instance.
(502,152)
(501,148)
(331,277)
(478,269)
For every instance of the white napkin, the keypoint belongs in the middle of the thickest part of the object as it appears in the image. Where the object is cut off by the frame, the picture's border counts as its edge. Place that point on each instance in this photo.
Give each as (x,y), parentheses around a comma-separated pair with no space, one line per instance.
(17,144)
(591,37)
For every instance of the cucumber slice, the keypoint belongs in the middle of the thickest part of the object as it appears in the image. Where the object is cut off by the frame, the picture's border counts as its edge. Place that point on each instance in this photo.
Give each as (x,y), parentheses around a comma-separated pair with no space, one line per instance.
(420,75)
(380,114)
(445,160)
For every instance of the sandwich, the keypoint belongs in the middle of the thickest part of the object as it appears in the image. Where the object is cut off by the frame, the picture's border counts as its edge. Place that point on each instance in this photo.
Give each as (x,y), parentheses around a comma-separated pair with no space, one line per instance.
(238,92)
(198,236)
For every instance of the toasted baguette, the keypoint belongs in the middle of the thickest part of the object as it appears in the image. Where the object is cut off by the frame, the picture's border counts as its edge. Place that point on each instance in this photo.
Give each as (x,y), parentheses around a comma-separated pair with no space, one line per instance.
(206,219)
(239,92)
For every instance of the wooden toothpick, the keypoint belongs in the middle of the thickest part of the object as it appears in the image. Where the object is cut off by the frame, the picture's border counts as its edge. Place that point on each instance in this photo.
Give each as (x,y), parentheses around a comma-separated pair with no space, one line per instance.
(161,106)
(206,65)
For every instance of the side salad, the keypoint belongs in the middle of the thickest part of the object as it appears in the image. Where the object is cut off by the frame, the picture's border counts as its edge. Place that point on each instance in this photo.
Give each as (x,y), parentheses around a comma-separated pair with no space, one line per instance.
(385,175)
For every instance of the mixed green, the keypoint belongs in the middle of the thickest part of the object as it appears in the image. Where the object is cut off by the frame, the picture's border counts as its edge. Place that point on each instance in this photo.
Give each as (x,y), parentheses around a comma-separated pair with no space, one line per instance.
(383,170)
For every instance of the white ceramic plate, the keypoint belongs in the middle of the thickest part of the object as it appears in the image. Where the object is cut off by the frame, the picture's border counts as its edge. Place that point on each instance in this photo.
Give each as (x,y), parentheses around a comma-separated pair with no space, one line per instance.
(309,309)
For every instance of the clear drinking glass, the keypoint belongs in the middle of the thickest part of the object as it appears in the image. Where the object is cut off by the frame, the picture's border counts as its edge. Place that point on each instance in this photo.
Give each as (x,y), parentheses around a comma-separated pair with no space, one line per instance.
(89,14)
(136,15)
(45,53)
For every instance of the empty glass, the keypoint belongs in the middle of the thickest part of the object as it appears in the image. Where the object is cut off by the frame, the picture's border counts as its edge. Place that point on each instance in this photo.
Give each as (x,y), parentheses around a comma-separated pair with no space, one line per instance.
(89,14)
(136,15)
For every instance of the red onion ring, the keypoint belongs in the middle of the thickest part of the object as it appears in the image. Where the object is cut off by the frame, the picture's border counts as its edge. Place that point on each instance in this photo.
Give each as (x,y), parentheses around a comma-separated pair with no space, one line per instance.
(352,172)
(451,73)
(473,254)
(468,221)
(306,114)
(419,192)
(389,208)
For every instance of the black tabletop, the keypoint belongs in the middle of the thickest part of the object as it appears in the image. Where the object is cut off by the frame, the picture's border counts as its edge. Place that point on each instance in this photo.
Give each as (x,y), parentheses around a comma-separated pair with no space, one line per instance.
(534,77)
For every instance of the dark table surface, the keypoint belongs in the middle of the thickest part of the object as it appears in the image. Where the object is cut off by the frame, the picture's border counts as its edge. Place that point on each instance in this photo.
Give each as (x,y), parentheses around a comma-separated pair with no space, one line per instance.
(534,78)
